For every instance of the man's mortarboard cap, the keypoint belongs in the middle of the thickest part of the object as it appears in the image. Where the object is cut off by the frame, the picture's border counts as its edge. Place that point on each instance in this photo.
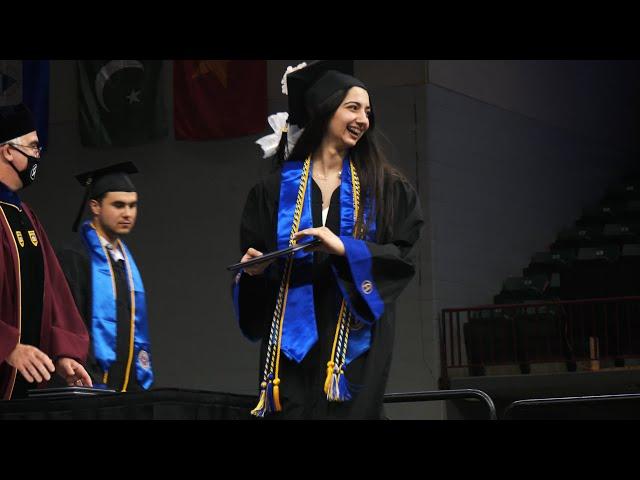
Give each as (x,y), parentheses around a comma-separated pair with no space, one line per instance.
(114,178)
(310,86)
(15,121)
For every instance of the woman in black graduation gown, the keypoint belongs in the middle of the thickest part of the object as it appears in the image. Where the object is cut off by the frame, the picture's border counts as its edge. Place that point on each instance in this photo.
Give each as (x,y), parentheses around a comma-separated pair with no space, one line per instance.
(326,315)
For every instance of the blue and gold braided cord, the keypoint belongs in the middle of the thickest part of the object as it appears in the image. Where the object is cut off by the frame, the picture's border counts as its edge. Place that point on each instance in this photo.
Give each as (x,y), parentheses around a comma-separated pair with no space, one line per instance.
(269,399)
(335,385)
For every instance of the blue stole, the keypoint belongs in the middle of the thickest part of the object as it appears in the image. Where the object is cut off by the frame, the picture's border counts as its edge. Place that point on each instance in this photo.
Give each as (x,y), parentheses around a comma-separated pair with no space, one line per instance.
(360,336)
(104,313)
(299,331)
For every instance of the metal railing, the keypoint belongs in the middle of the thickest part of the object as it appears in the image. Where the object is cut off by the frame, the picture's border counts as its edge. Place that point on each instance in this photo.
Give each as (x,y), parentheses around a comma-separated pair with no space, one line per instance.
(577,333)
(435,395)
(571,401)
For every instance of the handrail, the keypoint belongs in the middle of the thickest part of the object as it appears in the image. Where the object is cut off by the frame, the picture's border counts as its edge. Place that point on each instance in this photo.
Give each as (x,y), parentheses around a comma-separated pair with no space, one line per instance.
(576,330)
(542,303)
(433,395)
(560,400)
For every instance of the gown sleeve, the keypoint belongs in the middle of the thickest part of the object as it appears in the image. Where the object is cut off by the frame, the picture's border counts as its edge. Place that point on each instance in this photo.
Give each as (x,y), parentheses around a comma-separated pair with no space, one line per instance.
(250,293)
(69,334)
(76,270)
(9,334)
(372,275)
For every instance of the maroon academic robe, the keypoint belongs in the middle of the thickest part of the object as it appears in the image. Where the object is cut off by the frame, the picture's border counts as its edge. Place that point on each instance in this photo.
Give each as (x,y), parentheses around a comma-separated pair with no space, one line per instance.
(63,332)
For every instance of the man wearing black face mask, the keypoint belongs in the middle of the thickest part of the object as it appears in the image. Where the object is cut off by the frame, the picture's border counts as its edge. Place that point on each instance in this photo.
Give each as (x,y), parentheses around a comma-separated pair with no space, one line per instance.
(41,330)
(28,175)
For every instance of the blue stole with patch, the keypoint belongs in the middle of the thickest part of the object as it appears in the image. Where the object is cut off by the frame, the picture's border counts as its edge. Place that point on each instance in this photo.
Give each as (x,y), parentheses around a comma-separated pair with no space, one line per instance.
(104,313)
(299,331)
(360,333)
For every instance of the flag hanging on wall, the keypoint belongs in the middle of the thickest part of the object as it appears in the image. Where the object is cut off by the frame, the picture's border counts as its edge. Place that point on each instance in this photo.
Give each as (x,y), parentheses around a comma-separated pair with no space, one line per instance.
(27,81)
(219,98)
(120,102)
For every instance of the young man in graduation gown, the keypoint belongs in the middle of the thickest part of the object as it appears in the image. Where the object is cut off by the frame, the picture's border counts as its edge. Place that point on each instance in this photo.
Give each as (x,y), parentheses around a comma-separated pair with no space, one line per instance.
(106,283)
(41,330)
(326,318)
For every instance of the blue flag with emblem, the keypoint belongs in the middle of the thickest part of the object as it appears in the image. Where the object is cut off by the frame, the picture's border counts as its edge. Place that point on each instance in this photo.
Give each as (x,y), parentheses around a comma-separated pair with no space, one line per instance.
(27,81)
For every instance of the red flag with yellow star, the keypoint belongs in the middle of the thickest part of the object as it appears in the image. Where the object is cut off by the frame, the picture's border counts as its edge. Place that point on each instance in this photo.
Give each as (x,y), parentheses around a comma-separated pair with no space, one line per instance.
(219,98)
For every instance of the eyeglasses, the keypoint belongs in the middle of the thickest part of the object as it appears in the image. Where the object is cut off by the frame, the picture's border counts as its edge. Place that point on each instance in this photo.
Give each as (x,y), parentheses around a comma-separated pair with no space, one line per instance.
(34,148)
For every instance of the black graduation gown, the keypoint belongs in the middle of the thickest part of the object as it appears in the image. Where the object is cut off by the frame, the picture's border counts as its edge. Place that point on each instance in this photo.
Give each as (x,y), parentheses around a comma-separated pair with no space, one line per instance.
(76,265)
(301,388)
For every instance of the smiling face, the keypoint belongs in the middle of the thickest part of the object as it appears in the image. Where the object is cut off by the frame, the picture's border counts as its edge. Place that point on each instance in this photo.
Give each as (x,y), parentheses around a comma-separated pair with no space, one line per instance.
(351,120)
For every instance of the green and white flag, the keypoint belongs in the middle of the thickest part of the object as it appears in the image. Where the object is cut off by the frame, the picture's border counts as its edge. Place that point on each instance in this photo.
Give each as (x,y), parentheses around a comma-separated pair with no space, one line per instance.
(120,102)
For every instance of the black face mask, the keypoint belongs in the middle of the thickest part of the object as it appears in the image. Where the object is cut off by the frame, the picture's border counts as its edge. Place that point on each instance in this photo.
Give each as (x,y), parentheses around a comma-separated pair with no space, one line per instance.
(28,175)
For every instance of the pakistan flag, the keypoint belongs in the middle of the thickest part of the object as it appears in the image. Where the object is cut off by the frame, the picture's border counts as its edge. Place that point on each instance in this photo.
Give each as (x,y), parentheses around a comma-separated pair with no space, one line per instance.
(120,102)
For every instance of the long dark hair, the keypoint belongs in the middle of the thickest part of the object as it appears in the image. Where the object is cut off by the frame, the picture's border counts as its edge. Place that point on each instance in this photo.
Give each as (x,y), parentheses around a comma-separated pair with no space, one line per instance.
(371,164)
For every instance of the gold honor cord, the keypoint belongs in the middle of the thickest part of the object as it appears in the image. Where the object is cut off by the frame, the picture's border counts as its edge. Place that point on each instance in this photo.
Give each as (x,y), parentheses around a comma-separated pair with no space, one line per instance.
(133,316)
(335,383)
(105,376)
(270,379)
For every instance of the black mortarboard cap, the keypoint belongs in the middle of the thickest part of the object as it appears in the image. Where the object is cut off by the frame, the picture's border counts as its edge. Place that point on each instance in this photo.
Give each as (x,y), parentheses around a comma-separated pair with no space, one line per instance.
(114,178)
(15,121)
(310,86)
